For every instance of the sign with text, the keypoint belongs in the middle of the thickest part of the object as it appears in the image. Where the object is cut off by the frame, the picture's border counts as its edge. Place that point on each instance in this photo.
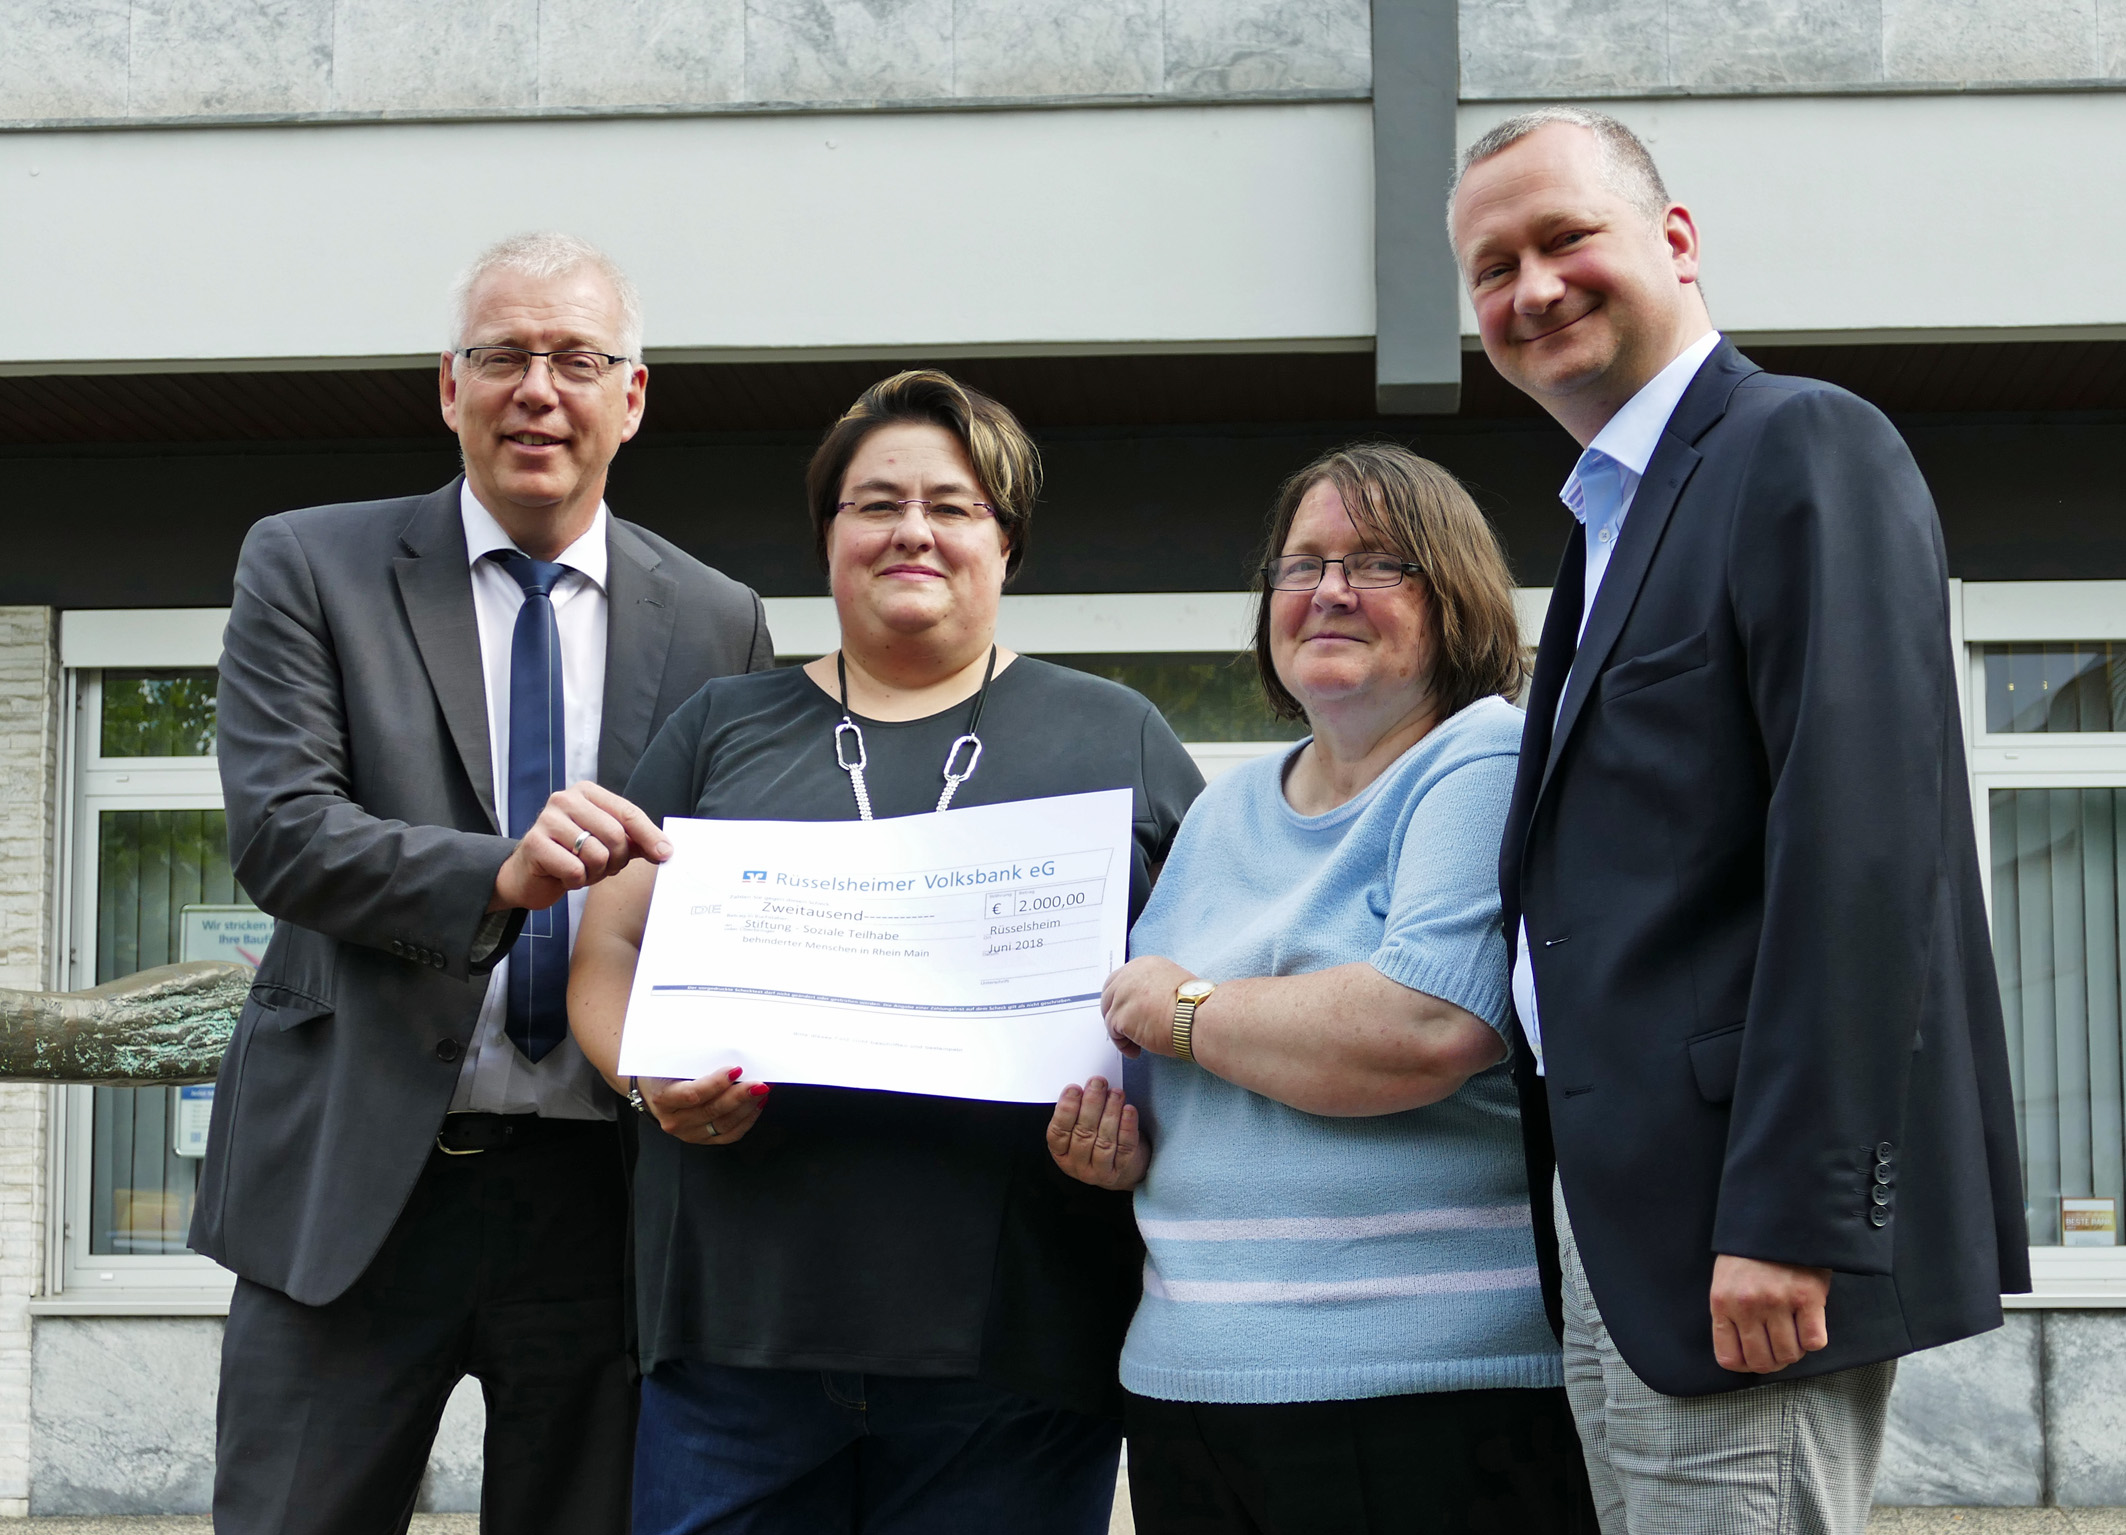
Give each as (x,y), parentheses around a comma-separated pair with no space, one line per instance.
(236,933)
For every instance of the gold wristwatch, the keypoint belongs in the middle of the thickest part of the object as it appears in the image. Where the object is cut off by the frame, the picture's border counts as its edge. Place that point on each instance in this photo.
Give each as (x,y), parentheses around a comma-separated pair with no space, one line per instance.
(1188,996)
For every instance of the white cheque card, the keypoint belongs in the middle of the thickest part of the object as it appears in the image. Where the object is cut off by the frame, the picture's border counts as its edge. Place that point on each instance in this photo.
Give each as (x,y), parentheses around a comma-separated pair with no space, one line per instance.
(959,953)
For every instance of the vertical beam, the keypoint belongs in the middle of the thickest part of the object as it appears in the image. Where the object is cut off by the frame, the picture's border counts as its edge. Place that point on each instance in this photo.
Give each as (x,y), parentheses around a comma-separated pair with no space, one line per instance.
(1417,359)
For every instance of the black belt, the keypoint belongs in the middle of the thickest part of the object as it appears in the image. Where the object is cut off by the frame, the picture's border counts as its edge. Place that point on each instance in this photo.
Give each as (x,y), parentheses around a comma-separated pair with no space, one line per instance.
(465,1135)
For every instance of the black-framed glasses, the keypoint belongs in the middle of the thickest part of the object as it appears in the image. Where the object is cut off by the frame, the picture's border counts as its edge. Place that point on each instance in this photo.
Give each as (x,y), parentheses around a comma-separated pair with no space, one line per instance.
(1362,572)
(951,512)
(509,364)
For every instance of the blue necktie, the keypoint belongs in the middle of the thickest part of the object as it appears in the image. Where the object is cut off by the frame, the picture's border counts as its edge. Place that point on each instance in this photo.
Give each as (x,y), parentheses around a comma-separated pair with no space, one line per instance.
(537,1016)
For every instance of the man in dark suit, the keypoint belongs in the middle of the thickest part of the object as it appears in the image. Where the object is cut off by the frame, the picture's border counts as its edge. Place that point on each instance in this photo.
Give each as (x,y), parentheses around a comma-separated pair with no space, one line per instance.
(412,1170)
(1759,1018)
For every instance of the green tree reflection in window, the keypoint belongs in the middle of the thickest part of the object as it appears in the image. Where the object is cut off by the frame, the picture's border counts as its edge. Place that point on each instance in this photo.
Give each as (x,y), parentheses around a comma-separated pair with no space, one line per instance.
(158,713)
(150,865)
(1205,695)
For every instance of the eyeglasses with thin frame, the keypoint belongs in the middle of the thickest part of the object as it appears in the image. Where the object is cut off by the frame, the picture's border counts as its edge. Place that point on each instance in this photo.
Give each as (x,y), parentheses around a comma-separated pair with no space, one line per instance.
(952,512)
(1362,572)
(573,369)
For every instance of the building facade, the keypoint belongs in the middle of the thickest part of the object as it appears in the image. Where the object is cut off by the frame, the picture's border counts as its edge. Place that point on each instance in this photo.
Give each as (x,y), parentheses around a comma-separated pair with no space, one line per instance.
(1193,243)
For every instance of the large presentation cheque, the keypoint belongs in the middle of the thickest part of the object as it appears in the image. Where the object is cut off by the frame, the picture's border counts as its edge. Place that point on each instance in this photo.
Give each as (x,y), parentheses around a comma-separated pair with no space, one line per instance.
(960,953)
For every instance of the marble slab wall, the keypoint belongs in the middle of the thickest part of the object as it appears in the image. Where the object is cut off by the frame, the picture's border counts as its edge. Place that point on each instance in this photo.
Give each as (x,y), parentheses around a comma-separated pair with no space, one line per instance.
(119,60)
(1967,1422)
(122,1420)
(2032,1413)
(1554,48)
(154,60)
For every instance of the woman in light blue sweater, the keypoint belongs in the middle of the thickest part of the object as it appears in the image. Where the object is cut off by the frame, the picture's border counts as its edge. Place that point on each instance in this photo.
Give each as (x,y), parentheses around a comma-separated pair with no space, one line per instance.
(1342,1328)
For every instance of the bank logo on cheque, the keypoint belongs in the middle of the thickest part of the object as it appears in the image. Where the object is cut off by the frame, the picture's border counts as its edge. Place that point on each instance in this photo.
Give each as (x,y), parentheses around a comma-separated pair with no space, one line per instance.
(753,876)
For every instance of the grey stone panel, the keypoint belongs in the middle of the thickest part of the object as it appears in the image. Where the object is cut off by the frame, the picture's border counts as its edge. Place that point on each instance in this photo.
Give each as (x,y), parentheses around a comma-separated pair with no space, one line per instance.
(418,55)
(1766,44)
(1984,40)
(2111,39)
(452,1485)
(231,57)
(2085,1407)
(124,1421)
(1563,47)
(1057,48)
(63,58)
(1966,1422)
(1233,47)
(620,53)
(848,50)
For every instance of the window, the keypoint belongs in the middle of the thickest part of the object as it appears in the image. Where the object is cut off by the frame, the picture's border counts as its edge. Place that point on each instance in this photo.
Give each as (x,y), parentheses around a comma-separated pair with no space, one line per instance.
(2058,857)
(2047,689)
(151,885)
(1207,696)
(1185,651)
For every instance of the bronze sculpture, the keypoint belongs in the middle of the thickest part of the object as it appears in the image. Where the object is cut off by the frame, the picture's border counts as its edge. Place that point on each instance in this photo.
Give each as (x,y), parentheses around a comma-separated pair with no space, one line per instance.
(162,1027)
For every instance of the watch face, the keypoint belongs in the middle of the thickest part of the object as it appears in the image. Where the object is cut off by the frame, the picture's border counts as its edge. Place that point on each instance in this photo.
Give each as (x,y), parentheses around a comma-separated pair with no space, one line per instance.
(1194,991)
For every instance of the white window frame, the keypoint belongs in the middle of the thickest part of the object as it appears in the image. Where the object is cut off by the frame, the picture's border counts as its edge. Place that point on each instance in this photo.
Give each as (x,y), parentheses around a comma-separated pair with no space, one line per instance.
(1981,613)
(2007,612)
(78,1282)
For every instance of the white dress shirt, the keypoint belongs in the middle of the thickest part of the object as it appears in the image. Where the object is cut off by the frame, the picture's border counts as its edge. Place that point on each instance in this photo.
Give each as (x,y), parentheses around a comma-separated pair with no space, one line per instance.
(496,1077)
(1627,443)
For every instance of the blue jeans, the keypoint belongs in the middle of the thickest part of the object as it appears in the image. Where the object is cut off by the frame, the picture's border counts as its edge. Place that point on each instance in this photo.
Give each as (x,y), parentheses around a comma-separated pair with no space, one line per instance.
(721,1450)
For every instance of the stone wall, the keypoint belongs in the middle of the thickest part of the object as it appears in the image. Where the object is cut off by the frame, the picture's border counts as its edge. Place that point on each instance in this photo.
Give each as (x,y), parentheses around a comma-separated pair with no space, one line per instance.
(125,1421)
(29,737)
(118,61)
(144,60)
(1580,48)
(2032,1413)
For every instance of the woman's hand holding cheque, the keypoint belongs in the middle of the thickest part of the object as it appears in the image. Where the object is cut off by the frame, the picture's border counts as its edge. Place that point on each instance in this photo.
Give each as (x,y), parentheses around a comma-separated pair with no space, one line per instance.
(1094,1137)
(714,1110)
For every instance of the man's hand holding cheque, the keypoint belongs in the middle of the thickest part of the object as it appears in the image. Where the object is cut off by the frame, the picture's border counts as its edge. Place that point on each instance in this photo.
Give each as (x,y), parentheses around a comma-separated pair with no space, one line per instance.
(584,834)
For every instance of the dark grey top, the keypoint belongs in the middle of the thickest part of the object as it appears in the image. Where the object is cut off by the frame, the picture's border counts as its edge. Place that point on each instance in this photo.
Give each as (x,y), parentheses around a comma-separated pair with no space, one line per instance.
(886,1232)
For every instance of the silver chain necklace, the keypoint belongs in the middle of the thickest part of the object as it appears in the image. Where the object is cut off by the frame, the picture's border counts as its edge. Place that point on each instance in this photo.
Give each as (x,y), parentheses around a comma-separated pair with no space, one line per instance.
(969,740)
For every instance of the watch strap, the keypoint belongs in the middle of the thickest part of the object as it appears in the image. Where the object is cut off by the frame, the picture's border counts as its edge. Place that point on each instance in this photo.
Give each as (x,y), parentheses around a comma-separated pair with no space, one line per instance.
(1181,1036)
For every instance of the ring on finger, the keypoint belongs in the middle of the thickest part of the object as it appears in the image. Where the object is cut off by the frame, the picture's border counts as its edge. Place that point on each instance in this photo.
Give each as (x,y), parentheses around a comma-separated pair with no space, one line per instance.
(577,845)
(713,1131)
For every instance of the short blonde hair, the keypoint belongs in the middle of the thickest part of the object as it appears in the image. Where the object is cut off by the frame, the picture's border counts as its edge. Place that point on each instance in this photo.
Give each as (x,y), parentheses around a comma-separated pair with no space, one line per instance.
(1410,506)
(1005,460)
(547,254)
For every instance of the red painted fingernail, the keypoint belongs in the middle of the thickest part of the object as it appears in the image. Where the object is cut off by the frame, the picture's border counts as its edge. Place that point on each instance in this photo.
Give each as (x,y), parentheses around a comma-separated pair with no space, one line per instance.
(760,1089)
(737,1072)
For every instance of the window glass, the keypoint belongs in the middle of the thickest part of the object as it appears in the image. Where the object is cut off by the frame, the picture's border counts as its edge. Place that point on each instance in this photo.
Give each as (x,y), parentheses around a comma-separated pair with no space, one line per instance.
(150,866)
(1205,695)
(158,714)
(2066,685)
(2059,856)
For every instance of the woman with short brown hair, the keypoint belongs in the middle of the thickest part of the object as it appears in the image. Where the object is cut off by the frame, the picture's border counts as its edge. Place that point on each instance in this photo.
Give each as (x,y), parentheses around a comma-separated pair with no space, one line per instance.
(1341,1331)
(872,1311)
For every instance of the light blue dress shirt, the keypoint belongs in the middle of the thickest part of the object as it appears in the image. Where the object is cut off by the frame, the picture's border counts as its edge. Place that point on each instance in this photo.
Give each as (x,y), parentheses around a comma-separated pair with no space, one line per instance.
(1599,493)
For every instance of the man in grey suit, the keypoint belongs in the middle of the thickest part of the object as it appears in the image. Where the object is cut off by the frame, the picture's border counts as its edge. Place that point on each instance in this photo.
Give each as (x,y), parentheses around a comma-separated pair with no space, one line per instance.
(412,1170)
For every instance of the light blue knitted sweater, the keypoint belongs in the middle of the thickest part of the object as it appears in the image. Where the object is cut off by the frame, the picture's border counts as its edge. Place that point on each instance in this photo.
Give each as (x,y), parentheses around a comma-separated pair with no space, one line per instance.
(1297,1258)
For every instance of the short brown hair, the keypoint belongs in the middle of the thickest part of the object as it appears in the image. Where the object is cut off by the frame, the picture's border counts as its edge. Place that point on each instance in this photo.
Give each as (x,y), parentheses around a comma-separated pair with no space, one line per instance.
(1628,168)
(1406,505)
(1006,463)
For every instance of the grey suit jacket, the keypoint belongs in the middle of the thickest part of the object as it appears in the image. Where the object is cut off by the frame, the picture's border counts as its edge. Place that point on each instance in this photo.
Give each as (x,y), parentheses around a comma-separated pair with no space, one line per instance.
(357,777)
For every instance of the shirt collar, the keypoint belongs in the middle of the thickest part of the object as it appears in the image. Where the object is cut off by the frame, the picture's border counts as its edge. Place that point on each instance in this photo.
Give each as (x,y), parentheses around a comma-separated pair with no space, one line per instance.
(483,535)
(1629,438)
(1635,431)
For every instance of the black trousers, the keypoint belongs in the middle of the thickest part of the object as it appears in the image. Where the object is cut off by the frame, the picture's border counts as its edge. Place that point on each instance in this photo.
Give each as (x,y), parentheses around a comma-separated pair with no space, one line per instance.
(1424,1464)
(507,1266)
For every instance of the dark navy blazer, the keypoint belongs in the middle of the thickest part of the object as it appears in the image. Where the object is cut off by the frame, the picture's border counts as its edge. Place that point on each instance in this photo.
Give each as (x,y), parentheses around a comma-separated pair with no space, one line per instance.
(1745,857)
